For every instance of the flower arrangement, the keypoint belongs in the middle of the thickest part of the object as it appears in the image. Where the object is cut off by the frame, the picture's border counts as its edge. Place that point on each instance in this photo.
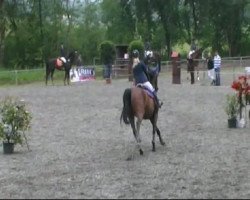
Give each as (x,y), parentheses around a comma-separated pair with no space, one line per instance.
(242,87)
(15,120)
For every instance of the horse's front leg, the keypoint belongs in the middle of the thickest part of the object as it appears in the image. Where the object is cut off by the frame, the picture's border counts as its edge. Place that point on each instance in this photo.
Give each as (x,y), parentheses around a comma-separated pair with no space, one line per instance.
(46,78)
(66,77)
(153,139)
(197,73)
(153,122)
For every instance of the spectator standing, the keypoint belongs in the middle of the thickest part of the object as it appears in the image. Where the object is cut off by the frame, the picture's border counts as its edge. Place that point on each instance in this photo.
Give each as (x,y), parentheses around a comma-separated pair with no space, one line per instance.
(217,68)
(210,68)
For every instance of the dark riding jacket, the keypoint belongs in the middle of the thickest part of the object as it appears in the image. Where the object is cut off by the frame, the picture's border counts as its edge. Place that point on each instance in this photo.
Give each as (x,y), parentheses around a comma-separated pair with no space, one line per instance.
(140,73)
(210,64)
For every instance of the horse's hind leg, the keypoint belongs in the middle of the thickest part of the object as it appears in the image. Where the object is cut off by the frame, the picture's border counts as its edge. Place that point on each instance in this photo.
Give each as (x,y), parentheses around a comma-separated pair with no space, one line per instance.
(137,134)
(138,126)
(47,76)
(52,79)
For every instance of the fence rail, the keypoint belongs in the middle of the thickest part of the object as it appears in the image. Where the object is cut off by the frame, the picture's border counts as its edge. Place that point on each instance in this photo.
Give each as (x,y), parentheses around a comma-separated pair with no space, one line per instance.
(231,67)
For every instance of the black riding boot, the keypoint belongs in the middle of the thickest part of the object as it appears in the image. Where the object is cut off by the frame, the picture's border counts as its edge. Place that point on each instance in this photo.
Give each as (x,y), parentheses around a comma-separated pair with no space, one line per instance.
(158,103)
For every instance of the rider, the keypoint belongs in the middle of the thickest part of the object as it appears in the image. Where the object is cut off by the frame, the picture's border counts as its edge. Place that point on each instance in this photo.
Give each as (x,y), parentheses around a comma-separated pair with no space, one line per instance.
(193,48)
(141,76)
(63,54)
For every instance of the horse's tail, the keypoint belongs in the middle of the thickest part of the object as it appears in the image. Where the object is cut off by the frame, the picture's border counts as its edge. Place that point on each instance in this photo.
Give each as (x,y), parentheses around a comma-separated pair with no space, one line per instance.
(126,110)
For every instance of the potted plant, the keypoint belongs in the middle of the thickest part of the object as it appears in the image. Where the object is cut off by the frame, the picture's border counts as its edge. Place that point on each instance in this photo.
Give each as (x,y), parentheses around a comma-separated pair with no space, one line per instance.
(232,110)
(14,121)
(242,87)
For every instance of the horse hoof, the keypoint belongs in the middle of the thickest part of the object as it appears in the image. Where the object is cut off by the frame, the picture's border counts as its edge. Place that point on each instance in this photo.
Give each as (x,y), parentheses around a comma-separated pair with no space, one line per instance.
(141,152)
(163,143)
(129,158)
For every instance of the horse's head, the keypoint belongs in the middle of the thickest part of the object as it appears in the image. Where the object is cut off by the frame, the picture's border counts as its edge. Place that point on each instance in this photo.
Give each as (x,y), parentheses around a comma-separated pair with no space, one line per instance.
(152,58)
(197,54)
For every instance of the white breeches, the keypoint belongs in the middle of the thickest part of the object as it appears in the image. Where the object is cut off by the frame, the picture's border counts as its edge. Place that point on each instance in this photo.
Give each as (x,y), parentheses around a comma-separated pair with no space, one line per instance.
(149,86)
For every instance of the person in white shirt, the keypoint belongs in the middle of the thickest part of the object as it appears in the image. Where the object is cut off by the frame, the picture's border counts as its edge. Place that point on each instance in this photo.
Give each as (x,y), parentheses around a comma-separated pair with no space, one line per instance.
(217,67)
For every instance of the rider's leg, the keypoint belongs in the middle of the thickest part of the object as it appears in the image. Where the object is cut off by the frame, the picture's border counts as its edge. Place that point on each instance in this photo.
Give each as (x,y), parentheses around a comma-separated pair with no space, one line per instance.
(159,104)
(151,88)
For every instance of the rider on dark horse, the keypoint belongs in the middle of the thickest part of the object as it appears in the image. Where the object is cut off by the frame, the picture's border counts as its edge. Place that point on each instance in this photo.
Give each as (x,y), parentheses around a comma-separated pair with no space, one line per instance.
(60,61)
(141,76)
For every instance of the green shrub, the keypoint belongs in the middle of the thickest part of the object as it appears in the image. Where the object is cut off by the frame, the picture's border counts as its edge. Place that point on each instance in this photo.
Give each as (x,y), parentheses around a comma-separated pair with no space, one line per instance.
(232,106)
(107,52)
(15,119)
(136,44)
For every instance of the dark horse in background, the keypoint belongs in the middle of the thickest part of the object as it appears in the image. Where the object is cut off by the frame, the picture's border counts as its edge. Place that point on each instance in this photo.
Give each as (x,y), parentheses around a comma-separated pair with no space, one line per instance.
(153,64)
(138,103)
(52,64)
(193,63)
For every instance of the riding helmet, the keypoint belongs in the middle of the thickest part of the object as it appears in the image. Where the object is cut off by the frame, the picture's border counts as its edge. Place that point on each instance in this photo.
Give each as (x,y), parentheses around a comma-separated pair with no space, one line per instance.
(135,53)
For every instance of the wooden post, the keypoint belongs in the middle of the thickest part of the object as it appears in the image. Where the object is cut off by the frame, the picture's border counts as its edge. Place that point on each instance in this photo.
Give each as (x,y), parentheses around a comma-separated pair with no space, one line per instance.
(176,70)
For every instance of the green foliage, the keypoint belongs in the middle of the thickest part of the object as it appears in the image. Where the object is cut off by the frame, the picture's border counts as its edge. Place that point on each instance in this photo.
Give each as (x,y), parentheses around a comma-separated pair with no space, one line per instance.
(15,119)
(232,106)
(31,31)
(107,52)
(20,77)
(136,44)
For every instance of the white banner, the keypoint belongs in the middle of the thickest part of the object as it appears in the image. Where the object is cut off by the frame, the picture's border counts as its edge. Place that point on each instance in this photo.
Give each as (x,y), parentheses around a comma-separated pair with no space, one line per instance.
(78,74)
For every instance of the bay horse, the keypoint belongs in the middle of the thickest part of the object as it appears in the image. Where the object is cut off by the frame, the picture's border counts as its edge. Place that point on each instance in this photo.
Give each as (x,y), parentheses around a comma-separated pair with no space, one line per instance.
(52,64)
(138,103)
(193,63)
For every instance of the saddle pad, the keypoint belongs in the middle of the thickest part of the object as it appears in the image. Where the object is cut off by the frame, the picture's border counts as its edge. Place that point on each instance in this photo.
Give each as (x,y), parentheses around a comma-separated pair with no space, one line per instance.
(59,63)
(149,93)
